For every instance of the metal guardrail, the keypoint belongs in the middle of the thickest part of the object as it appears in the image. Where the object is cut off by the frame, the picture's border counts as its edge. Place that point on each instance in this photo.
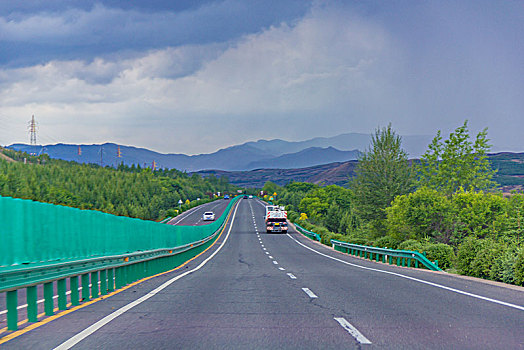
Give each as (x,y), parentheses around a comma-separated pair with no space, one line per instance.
(307,233)
(402,257)
(103,274)
(166,220)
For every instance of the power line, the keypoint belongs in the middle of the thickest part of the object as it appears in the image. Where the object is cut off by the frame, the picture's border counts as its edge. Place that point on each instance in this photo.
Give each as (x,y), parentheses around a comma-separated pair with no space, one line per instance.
(32,131)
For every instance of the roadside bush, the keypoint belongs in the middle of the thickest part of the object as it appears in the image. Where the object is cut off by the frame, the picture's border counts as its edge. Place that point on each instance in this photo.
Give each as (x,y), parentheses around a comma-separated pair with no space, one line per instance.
(483,264)
(519,268)
(411,244)
(339,237)
(505,267)
(387,242)
(356,240)
(441,252)
(292,216)
(466,254)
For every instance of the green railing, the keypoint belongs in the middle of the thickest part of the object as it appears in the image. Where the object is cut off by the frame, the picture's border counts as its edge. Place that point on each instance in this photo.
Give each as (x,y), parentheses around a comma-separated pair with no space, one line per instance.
(385,255)
(307,233)
(99,271)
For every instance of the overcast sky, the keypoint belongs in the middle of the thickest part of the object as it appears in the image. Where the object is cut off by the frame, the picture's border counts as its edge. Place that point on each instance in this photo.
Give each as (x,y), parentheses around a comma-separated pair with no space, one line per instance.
(195,76)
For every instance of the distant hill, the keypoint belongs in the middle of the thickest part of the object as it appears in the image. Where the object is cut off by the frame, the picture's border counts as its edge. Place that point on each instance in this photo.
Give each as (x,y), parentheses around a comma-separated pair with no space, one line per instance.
(414,145)
(242,157)
(509,176)
(327,174)
(306,158)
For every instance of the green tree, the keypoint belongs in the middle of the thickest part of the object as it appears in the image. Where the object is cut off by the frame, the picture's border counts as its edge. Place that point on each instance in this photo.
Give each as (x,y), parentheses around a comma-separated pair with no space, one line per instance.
(457,163)
(383,172)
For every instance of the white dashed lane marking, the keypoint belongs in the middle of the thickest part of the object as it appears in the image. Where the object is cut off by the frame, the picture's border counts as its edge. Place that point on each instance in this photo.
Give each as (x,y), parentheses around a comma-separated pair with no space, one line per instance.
(309,293)
(352,330)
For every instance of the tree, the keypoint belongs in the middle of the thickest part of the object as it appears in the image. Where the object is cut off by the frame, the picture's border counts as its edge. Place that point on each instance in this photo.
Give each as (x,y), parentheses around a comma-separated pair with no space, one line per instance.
(382,173)
(457,163)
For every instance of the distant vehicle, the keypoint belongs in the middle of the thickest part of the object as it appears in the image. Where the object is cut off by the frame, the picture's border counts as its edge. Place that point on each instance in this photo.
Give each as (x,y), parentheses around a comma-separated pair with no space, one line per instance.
(276,219)
(245,197)
(250,197)
(226,196)
(208,216)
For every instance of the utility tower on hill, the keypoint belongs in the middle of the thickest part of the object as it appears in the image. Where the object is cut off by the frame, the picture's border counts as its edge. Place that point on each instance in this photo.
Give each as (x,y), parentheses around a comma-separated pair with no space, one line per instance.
(32,131)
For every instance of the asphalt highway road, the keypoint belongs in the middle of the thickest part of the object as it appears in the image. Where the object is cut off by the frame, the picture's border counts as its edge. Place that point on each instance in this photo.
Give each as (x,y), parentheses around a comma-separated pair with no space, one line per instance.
(194,216)
(254,290)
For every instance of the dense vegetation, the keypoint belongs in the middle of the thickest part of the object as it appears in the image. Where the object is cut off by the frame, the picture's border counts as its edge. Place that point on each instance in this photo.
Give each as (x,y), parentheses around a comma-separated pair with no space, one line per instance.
(451,212)
(128,191)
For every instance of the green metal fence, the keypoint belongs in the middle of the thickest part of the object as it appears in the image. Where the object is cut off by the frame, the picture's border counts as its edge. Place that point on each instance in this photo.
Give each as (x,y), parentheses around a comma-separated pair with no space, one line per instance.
(92,258)
(307,233)
(385,255)
(400,257)
(33,232)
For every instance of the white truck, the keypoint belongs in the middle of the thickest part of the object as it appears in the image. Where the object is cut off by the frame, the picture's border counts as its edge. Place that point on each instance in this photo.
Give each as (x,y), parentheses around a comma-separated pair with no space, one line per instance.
(276,219)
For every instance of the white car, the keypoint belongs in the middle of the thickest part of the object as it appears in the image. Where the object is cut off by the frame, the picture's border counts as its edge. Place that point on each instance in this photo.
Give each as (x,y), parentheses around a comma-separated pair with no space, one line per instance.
(208,216)
(250,197)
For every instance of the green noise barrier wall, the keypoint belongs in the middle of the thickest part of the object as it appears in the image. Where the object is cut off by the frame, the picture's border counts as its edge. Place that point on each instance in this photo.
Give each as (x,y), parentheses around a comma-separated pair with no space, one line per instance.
(34,232)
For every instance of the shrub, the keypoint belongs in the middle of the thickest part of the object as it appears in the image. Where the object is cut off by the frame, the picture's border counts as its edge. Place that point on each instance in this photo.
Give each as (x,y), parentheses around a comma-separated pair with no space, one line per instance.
(441,252)
(519,268)
(387,242)
(411,244)
(483,264)
(466,254)
(356,240)
(292,216)
(504,267)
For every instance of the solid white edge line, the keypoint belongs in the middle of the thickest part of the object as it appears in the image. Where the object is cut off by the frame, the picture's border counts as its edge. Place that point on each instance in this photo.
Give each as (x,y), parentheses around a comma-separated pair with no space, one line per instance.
(352,330)
(96,326)
(309,293)
(518,307)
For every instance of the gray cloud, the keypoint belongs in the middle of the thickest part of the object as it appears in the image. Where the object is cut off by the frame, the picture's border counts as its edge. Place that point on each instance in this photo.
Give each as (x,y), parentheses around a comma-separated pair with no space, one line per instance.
(337,69)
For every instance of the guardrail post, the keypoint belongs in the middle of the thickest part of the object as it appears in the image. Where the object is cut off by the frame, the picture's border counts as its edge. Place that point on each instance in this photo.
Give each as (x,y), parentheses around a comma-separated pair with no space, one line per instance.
(12,311)
(75,297)
(94,284)
(48,299)
(32,305)
(110,280)
(436,263)
(62,297)
(390,260)
(416,263)
(85,287)
(103,282)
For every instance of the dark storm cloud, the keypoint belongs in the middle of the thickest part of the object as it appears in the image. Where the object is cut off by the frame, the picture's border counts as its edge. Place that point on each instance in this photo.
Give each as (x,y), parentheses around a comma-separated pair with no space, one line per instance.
(36,32)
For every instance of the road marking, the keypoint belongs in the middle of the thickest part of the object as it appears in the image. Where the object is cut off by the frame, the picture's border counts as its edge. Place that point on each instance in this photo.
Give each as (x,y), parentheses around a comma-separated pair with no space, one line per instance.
(352,330)
(270,256)
(282,269)
(309,293)
(291,276)
(518,307)
(263,248)
(274,262)
(96,326)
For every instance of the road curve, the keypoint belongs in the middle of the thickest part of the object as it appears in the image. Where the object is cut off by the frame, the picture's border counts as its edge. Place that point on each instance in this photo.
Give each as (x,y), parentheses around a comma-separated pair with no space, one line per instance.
(262,291)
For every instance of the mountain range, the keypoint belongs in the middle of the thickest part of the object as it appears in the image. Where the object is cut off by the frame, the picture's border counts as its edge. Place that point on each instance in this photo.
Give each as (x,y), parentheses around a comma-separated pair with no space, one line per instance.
(262,154)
